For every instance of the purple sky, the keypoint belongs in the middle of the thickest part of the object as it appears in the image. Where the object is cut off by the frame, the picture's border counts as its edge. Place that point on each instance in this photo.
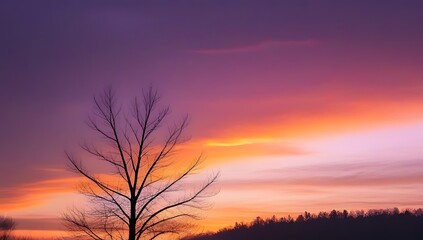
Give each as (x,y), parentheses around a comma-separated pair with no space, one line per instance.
(244,70)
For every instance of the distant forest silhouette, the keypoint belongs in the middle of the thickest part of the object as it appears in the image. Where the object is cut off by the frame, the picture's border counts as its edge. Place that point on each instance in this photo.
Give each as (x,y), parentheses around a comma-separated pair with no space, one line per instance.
(373,224)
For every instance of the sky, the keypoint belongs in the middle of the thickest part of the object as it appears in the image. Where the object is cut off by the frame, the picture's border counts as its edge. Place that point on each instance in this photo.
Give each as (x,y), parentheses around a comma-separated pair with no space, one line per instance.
(301,105)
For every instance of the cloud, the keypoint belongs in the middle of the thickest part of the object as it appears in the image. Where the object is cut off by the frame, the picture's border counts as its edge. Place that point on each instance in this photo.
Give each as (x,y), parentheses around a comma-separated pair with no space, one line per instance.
(318,187)
(334,175)
(219,150)
(35,193)
(258,46)
(237,142)
(36,223)
(325,182)
(311,116)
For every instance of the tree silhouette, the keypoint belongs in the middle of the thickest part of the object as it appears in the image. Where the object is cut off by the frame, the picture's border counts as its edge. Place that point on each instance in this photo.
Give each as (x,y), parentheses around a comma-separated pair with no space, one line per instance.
(7,225)
(146,195)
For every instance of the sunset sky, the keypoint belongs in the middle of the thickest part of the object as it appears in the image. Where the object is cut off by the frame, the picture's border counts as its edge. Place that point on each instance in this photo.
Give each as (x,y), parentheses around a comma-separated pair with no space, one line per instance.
(301,105)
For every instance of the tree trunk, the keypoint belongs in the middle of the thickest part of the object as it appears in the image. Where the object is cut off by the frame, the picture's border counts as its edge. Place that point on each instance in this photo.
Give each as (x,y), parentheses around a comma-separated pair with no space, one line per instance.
(132,221)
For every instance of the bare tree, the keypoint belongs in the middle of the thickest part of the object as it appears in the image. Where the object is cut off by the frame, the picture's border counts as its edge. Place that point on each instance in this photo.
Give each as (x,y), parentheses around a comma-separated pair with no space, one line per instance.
(147,195)
(7,225)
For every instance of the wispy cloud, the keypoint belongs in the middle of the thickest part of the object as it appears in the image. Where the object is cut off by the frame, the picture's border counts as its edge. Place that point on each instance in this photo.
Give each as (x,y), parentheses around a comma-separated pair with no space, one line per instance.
(371,174)
(258,46)
(36,193)
(220,150)
(39,223)
(326,181)
(236,142)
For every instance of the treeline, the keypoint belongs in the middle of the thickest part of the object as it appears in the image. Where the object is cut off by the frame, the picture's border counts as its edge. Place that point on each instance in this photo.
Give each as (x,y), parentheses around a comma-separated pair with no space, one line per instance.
(374,224)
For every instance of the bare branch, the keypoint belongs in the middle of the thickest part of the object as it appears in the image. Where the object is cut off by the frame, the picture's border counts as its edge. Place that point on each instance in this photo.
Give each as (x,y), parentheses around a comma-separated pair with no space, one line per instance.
(143,202)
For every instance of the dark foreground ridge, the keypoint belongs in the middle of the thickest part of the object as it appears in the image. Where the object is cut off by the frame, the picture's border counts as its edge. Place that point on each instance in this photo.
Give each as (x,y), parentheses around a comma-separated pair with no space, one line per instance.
(374,224)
